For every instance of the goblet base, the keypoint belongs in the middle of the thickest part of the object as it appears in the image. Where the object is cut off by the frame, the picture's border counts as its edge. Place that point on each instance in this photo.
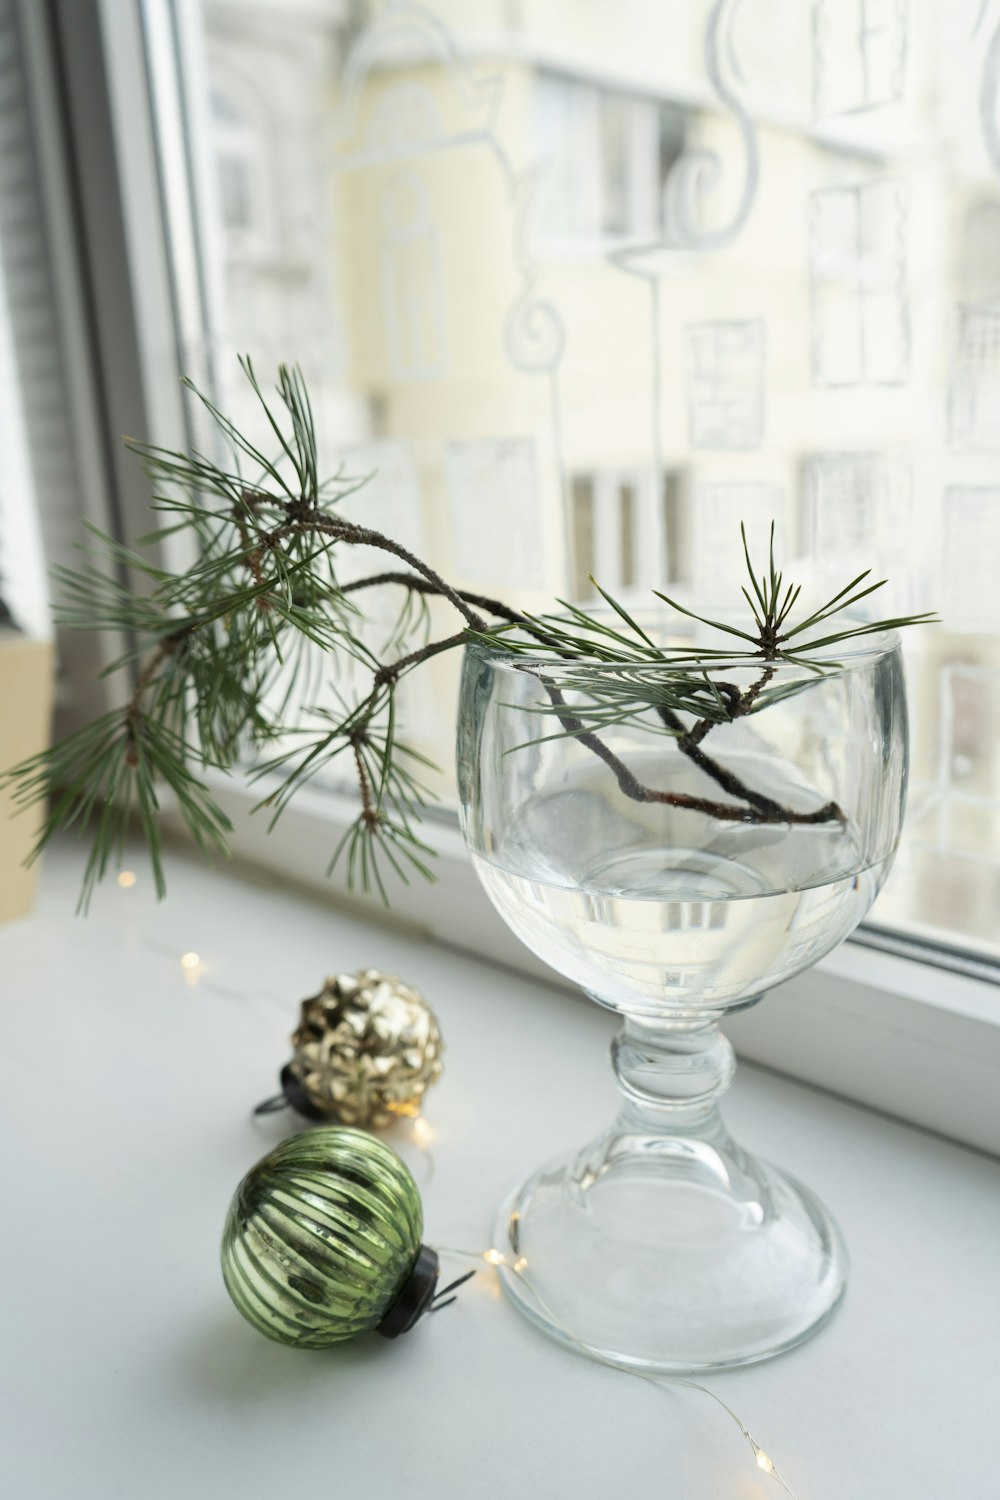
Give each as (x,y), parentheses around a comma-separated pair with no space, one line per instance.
(671,1254)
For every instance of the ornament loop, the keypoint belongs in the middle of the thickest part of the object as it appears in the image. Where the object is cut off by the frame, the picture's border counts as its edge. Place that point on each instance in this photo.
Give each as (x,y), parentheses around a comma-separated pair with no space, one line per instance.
(441,1298)
(271,1106)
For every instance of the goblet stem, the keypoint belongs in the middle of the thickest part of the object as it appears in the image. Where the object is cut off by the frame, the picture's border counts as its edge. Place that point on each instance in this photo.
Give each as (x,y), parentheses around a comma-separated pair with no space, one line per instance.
(672,1074)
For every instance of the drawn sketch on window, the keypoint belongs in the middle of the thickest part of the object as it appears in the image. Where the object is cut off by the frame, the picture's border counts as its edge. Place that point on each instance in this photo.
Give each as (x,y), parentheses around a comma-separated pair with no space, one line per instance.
(413,295)
(496,511)
(856,507)
(859,54)
(717,567)
(972,546)
(725,384)
(858,284)
(974,397)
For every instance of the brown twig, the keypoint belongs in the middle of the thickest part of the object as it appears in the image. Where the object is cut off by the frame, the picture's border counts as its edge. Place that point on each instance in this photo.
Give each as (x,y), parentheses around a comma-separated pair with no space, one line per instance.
(369,812)
(133,708)
(424,586)
(752,693)
(363,536)
(762,809)
(390,672)
(757,807)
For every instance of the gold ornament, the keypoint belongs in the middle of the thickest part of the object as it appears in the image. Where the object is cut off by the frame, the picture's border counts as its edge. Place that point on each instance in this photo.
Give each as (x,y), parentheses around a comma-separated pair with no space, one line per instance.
(367,1048)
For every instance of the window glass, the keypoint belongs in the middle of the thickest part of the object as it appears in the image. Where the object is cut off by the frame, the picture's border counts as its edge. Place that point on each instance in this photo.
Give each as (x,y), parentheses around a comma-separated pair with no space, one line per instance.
(584,286)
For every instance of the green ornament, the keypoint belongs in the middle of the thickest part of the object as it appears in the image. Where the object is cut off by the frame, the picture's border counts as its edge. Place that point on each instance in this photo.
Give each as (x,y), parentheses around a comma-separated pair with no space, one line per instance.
(322,1241)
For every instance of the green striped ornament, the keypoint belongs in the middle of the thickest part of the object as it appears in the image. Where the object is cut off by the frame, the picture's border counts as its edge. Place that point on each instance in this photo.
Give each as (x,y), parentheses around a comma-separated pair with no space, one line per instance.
(321,1236)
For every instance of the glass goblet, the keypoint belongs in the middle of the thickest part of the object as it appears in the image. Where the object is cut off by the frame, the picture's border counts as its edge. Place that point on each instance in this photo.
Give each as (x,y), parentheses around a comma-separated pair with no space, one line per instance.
(676,872)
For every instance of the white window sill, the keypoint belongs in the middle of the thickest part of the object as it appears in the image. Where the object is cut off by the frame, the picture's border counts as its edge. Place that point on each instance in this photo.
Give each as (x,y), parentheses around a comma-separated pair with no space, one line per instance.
(127,1094)
(899,1035)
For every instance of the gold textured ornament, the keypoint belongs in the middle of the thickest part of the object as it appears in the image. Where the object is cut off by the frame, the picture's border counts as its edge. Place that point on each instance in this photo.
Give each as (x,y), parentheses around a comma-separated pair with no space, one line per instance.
(366,1050)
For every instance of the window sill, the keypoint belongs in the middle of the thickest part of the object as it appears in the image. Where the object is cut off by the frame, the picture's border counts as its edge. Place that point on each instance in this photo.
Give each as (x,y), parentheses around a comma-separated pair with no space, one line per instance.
(898,1035)
(128,1091)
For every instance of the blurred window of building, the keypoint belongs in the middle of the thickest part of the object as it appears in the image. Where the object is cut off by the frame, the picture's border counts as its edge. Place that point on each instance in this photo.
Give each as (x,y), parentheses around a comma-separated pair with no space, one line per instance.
(237,163)
(607,155)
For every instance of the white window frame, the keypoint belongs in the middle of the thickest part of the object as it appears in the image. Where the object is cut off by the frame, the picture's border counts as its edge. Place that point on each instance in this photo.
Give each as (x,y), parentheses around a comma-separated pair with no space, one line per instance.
(898,1033)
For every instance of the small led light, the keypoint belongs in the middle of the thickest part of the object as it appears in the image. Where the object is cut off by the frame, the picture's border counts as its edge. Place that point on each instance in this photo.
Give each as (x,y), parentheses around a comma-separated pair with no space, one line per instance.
(126,879)
(423,1132)
(521,1264)
(763,1462)
(493,1257)
(190,961)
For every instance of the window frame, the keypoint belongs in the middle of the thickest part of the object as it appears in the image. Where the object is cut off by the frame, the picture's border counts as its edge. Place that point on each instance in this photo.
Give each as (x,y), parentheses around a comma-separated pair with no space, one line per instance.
(82,251)
(900,1033)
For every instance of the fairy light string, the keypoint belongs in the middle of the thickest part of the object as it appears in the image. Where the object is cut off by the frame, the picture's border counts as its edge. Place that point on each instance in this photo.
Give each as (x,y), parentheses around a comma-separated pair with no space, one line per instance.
(422,1135)
(195,973)
(499,1262)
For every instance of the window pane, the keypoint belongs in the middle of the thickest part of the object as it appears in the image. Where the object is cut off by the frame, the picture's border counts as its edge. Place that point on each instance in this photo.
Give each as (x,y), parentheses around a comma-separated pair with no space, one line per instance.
(614,120)
(582,532)
(676,527)
(234,192)
(671,137)
(576,308)
(626,506)
(562,134)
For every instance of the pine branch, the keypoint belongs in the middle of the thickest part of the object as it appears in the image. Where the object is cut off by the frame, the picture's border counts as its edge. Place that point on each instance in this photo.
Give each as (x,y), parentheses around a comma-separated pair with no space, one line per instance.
(226,657)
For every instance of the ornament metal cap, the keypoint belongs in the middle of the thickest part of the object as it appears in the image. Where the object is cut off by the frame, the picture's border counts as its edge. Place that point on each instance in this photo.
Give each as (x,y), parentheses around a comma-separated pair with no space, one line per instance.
(292,1095)
(415,1296)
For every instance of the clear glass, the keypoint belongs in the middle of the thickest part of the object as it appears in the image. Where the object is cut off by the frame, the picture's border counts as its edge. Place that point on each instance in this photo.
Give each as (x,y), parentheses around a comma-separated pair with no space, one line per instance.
(675,885)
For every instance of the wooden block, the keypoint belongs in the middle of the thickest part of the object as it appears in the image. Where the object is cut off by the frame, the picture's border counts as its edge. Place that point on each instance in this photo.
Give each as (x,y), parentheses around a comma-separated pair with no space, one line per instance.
(25,718)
